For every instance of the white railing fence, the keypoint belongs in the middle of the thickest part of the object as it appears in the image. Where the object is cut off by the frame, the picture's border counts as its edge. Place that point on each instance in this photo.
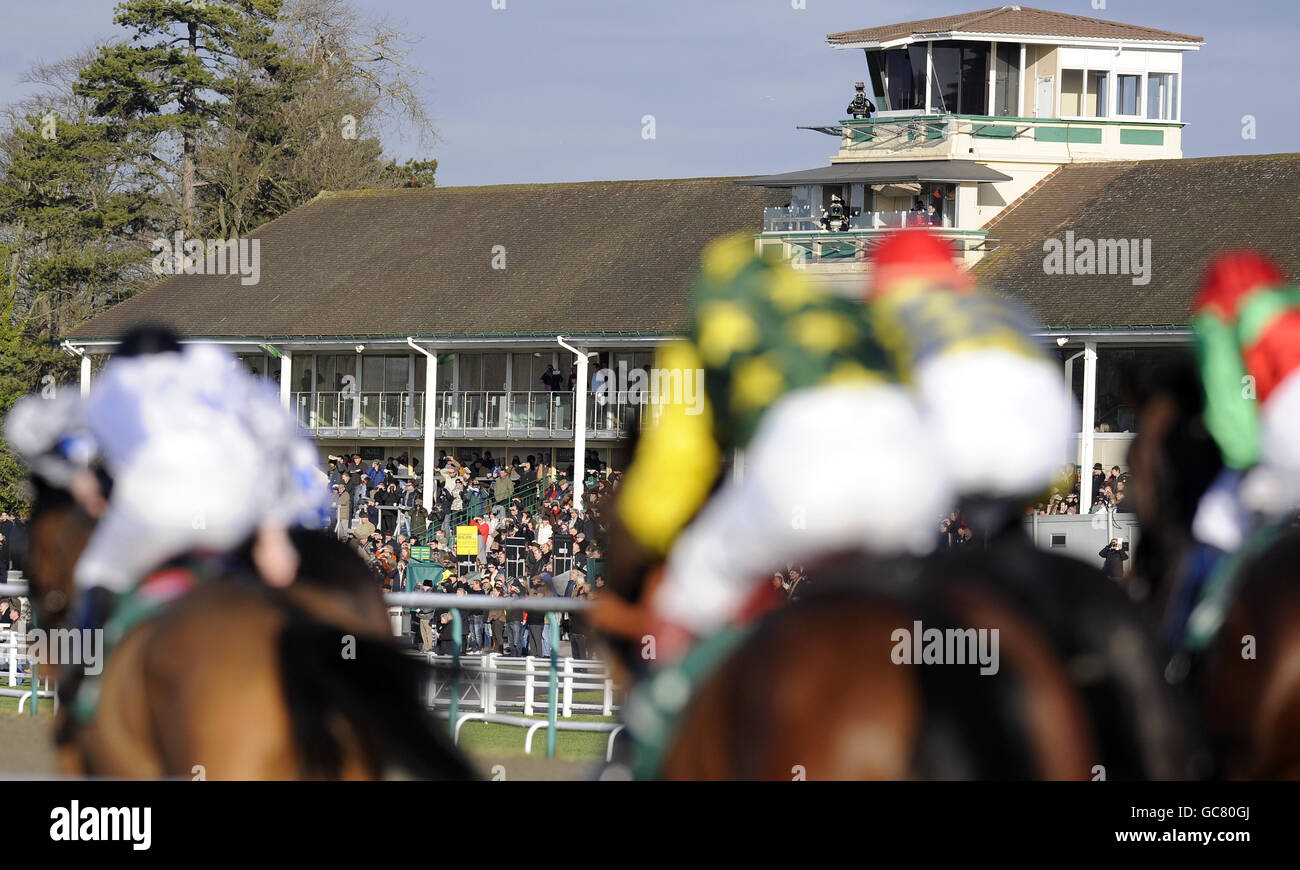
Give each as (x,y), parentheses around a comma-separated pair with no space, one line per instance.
(494,683)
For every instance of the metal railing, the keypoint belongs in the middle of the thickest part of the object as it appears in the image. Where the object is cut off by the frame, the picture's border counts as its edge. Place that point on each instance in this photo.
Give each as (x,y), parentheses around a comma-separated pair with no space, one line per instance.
(19,668)
(856,246)
(791,219)
(470,413)
(495,683)
(550,606)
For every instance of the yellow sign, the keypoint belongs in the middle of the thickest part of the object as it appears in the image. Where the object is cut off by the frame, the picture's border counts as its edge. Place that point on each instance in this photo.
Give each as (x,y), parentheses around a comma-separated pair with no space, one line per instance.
(466,540)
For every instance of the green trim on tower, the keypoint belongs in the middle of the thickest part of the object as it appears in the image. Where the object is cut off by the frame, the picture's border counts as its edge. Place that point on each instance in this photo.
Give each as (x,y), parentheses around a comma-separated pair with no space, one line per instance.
(995,131)
(1141,137)
(1072,135)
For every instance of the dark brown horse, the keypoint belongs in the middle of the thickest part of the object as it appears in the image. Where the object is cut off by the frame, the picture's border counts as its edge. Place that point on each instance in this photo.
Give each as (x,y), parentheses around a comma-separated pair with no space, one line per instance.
(814,689)
(1246,681)
(237,680)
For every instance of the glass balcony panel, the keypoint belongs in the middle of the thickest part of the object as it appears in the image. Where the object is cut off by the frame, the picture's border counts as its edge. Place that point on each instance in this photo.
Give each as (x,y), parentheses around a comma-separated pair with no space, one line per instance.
(541,411)
(518,420)
(327,410)
(348,410)
(390,411)
(496,411)
(475,410)
(562,417)
(302,405)
(410,420)
(370,410)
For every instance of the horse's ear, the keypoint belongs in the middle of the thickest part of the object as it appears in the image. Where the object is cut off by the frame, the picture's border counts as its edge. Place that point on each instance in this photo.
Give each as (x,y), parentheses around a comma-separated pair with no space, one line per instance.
(275,557)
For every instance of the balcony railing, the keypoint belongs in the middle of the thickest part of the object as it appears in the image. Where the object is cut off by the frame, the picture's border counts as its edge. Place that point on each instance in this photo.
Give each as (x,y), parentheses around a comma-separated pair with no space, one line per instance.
(856,245)
(798,219)
(474,413)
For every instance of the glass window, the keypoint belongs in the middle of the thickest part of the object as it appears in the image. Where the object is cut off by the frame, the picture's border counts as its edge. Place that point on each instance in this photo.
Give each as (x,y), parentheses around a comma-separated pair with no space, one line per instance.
(1162,96)
(945,85)
(905,77)
(1071,93)
(974,99)
(494,371)
(397,372)
(255,363)
(521,372)
(1098,94)
(372,373)
(1127,97)
(446,371)
(1006,81)
(471,371)
(333,369)
(961,78)
(302,373)
(421,369)
(876,76)
(1116,410)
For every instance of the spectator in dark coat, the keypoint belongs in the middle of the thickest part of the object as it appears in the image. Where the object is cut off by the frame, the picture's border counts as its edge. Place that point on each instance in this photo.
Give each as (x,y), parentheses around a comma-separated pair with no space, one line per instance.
(1115,558)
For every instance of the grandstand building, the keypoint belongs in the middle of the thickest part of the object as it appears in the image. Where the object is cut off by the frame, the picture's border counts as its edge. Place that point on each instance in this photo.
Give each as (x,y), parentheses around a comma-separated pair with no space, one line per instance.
(1047,147)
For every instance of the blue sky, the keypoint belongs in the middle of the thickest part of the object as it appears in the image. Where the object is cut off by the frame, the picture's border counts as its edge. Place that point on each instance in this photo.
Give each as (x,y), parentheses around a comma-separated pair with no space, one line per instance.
(555,90)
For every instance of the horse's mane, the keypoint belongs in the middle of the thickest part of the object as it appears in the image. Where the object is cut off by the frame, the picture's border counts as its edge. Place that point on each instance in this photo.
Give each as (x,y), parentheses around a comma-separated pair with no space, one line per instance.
(375,692)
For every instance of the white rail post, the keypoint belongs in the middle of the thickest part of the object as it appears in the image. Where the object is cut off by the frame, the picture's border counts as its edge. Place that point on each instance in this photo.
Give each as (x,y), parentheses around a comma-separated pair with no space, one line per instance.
(13,659)
(489,683)
(609,698)
(568,688)
(530,669)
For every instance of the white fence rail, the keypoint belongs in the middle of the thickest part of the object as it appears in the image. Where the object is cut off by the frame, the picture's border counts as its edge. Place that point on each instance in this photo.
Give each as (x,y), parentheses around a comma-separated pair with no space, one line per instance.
(17,671)
(492,683)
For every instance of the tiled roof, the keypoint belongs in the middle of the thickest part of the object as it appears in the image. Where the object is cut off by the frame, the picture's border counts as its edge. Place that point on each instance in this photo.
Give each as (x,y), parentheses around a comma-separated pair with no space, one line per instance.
(1014,20)
(588,258)
(1189,209)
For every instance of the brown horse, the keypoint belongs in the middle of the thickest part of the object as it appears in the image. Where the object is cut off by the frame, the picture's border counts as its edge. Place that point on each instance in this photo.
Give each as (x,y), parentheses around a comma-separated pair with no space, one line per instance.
(814,689)
(237,680)
(1247,680)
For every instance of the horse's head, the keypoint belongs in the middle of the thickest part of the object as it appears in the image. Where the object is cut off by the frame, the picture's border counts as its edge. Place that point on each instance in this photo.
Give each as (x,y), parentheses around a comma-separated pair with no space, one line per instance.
(57,533)
(1173,461)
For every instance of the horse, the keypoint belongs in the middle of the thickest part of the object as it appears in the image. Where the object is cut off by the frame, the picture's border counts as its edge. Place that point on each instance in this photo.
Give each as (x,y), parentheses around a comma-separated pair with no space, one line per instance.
(1246,679)
(811,685)
(235,679)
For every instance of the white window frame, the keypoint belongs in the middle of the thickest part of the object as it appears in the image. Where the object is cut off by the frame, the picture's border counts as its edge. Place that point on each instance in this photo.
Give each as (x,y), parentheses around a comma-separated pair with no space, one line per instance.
(1141,95)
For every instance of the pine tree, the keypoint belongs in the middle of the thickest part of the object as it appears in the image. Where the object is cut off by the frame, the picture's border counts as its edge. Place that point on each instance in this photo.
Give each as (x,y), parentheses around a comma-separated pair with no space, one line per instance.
(176,75)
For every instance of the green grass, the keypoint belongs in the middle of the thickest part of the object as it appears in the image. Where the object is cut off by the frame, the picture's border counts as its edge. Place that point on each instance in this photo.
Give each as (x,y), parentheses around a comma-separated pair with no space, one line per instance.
(492,739)
(9,706)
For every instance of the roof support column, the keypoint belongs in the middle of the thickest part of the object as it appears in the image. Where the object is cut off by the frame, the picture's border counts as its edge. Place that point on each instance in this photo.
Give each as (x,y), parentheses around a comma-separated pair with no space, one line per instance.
(579,423)
(286,380)
(85,375)
(1020,102)
(929,73)
(430,415)
(1089,414)
(992,107)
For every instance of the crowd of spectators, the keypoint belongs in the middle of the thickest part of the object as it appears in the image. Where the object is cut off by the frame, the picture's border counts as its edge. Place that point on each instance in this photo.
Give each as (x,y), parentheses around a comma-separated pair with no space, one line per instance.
(1109,492)
(530,541)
